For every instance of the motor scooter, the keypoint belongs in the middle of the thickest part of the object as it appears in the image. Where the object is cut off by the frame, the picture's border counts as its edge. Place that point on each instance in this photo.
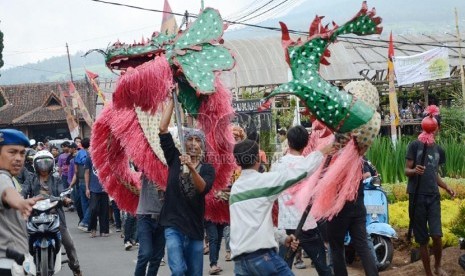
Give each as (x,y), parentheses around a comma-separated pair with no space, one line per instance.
(43,227)
(377,224)
(17,264)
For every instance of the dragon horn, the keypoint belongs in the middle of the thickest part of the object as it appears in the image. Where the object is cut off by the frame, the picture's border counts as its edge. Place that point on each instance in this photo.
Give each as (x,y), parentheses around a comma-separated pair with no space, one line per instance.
(285,40)
(315,25)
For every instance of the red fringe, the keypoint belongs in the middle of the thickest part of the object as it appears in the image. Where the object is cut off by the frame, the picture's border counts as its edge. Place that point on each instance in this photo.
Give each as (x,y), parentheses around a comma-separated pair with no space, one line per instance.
(339,184)
(146,86)
(126,127)
(426,137)
(214,119)
(112,164)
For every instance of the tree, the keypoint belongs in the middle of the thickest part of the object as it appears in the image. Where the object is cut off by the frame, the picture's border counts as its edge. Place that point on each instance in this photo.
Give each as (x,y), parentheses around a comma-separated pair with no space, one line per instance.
(1,49)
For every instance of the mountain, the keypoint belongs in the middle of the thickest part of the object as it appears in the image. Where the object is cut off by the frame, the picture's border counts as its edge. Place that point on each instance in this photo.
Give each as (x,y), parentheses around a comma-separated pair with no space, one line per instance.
(399,16)
(56,69)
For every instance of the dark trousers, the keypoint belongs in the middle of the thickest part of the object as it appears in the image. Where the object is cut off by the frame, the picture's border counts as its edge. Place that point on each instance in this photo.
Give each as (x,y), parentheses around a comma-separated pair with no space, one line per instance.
(215,234)
(130,228)
(355,222)
(68,244)
(151,237)
(312,243)
(116,214)
(98,205)
(76,196)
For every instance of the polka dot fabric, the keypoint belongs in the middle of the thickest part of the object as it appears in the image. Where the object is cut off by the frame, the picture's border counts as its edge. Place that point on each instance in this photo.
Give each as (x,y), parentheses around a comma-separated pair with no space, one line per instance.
(199,66)
(207,28)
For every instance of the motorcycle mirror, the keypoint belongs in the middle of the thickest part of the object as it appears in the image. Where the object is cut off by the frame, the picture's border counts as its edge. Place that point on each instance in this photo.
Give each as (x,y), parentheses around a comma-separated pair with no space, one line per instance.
(66,192)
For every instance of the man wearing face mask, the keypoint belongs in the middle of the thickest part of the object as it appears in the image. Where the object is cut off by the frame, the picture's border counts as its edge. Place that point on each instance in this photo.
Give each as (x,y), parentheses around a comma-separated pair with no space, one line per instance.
(183,212)
(44,182)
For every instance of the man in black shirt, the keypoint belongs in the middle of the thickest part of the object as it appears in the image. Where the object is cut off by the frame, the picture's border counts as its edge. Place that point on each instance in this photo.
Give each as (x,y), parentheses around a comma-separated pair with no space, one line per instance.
(183,212)
(427,211)
(351,218)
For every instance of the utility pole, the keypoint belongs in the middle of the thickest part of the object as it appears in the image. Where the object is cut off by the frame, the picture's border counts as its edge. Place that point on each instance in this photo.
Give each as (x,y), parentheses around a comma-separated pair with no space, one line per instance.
(69,63)
(462,74)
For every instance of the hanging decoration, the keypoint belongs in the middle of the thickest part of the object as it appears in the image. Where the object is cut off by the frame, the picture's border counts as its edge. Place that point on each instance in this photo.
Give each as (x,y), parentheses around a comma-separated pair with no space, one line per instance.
(191,59)
(349,113)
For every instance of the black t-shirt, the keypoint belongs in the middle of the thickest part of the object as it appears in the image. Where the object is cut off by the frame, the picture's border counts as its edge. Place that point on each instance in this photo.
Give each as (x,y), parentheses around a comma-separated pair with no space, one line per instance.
(357,207)
(435,156)
(184,208)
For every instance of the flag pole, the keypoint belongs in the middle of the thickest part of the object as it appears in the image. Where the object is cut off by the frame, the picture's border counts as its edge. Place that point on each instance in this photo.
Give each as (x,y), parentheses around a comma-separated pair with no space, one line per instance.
(462,74)
(393,110)
(69,63)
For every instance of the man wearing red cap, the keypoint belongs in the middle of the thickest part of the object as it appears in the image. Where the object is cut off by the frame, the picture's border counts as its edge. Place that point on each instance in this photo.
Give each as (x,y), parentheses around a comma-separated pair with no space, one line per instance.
(424,157)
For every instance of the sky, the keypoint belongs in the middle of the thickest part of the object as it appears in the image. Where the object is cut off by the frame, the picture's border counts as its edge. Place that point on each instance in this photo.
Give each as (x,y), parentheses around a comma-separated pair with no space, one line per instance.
(38,29)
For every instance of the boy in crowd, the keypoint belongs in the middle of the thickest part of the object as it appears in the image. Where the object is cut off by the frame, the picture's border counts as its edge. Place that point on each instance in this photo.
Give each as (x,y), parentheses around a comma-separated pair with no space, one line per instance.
(253,245)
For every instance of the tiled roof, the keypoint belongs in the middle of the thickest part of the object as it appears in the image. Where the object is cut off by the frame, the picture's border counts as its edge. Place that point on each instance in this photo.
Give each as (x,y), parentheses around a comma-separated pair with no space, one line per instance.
(28,104)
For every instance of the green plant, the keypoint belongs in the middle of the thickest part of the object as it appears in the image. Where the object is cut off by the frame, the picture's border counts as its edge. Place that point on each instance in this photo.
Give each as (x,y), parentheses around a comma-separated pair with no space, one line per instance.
(452,122)
(389,159)
(455,161)
(1,49)
(458,225)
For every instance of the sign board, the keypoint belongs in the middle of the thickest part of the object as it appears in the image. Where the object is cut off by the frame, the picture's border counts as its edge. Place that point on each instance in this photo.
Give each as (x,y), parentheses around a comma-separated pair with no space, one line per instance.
(248,116)
(430,65)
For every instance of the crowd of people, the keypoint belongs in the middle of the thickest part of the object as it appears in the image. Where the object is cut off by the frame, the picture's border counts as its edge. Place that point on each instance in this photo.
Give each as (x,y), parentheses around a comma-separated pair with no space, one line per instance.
(173,220)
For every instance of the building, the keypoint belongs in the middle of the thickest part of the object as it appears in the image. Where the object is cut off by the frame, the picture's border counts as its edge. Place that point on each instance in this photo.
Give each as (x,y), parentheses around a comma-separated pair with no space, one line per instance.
(36,109)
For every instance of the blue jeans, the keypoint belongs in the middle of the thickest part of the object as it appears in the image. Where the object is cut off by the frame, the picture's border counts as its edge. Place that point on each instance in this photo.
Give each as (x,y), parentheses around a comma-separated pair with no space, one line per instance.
(226,235)
(151,245)
(64,179)
(215,234)
(84,203)
(185,255)
(263,262)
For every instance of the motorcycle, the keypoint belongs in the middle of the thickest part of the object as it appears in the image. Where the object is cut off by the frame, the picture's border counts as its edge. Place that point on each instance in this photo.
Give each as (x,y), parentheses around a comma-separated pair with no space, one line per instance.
(43,227)
(17,264)
(377,224)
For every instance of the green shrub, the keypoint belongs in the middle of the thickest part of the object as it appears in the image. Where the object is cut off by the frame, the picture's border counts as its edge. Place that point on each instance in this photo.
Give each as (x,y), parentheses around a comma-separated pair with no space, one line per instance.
(398,192)
(390,160)
(452,216)
(458,226)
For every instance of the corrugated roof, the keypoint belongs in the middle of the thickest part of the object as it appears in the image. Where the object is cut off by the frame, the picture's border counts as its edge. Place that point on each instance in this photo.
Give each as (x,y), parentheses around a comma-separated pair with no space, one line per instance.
(27,103)
(261,61)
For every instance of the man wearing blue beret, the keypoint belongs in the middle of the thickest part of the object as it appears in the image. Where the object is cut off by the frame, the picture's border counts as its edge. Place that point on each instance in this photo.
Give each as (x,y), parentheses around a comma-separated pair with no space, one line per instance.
(14,210)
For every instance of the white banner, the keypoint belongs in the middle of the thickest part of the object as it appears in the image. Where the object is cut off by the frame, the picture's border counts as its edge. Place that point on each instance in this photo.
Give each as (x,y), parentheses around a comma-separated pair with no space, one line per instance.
(430,65)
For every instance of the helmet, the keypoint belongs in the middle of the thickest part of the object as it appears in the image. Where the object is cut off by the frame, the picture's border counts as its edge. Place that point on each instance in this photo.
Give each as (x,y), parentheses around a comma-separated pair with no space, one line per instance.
(43,161)
(30,153)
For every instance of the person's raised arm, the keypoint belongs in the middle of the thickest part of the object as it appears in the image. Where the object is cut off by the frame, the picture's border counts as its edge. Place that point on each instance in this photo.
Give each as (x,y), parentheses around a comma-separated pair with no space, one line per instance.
(166,117)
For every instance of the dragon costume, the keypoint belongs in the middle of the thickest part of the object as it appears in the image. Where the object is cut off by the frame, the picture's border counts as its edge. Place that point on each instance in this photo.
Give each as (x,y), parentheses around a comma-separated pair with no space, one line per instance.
(127,129)
(349,113)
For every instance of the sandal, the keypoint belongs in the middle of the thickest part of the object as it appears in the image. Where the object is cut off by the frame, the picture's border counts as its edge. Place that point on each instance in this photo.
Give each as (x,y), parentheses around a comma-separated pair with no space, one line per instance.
(93,234)
(105,235)
(214,270)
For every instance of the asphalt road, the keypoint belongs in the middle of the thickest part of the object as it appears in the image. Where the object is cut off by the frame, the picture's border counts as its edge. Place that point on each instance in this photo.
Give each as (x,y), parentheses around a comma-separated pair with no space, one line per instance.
(105,256)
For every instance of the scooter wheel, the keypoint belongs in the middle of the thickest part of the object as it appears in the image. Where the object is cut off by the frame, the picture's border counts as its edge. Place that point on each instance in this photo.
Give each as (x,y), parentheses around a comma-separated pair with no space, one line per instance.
(384,251)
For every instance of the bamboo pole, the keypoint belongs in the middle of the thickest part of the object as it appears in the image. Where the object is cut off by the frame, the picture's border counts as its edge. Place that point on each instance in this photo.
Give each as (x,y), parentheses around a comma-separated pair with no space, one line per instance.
(462,74)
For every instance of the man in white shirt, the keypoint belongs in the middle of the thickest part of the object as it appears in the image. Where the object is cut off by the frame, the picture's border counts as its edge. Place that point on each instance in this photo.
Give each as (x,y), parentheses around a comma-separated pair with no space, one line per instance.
(253,245)
(289,215)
